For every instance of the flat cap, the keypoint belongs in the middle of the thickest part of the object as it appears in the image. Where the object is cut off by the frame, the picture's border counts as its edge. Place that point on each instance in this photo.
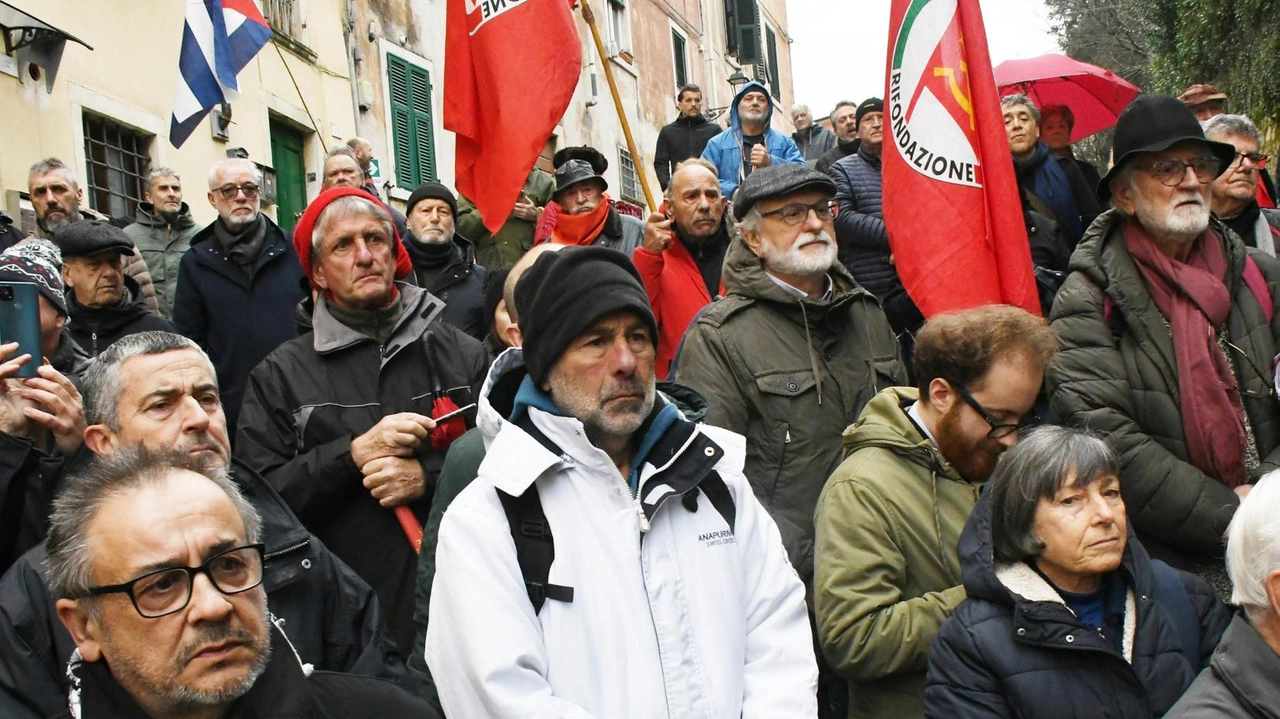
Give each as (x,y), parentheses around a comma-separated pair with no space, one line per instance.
(87,238)
(777,181)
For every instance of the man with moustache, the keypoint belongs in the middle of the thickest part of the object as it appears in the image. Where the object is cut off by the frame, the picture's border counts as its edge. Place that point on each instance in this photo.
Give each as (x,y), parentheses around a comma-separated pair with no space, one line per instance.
(239,283)
(156,391)
(683,254)
(749,143)
(793,351)
(889,519)
(1233,197)
(56,196)
(844,120)
(669,593)
(444,262)
(1168,332)
(158,564)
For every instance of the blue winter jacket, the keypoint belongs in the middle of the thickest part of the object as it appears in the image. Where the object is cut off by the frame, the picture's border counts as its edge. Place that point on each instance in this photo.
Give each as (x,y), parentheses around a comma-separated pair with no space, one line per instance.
(725,150)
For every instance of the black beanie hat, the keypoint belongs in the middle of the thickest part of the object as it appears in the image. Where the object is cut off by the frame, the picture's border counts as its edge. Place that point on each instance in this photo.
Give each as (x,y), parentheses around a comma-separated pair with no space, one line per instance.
(434,191)
(564,292)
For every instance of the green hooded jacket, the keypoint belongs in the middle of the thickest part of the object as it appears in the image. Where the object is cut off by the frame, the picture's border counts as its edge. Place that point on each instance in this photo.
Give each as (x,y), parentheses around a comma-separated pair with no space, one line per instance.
(789,374)
(887,575)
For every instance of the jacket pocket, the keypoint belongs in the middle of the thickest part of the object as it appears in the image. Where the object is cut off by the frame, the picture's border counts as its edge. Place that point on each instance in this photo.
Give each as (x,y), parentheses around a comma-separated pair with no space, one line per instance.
(885,372)
(781,399)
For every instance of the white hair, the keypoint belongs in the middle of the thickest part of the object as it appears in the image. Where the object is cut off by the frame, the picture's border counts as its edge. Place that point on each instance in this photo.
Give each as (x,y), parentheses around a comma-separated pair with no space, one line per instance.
(1253,547)
(229,163)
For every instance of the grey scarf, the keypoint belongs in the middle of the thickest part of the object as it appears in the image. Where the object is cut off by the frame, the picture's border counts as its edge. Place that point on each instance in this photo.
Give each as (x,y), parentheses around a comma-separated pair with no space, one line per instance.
(243,247)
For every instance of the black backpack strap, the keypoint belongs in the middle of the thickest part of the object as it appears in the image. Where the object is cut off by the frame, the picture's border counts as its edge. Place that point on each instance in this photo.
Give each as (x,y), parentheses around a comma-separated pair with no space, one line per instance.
(535,547)
(717,493)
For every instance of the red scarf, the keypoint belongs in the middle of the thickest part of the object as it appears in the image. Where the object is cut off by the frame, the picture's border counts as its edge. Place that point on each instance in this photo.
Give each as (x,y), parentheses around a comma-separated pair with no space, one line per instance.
(1196,301)
(581,229)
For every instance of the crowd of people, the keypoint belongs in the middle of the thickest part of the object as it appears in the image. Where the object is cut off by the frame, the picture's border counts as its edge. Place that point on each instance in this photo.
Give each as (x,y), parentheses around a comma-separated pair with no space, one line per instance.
(709,462)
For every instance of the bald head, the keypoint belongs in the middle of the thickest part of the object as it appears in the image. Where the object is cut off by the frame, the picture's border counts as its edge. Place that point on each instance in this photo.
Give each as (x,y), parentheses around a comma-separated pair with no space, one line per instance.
(522,264)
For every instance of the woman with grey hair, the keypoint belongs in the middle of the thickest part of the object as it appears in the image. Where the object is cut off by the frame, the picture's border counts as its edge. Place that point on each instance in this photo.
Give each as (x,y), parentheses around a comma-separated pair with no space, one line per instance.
(1067,615)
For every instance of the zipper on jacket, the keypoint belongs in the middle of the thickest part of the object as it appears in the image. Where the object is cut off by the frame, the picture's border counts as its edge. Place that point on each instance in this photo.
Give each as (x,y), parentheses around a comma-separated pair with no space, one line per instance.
(285,550)
(641,520)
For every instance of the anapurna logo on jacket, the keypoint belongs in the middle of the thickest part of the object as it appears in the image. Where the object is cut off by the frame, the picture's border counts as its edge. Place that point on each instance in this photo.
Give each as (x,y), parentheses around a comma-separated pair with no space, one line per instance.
(930,105)
(715,539)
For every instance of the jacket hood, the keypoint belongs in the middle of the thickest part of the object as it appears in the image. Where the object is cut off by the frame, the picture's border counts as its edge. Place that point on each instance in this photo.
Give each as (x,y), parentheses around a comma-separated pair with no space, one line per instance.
(884,423)
(734,124)
(148,217)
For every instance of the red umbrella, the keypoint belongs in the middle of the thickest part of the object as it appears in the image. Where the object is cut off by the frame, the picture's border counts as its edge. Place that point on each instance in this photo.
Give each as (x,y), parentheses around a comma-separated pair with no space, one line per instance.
(1095,95)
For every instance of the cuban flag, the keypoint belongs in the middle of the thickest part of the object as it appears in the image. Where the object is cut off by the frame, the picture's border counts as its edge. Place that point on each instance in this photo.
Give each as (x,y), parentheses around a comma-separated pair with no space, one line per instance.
(219,38)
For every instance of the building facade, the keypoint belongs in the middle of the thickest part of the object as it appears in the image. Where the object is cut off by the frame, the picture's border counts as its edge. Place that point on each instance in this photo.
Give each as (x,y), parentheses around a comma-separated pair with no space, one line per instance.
(336,69)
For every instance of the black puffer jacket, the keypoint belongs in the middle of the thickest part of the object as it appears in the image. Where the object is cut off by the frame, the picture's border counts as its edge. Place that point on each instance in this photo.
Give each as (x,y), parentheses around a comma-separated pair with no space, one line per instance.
(332,616)
(1116,373)
(313,394)
(96,329)
(864,241)
(860,230)
(1015,649)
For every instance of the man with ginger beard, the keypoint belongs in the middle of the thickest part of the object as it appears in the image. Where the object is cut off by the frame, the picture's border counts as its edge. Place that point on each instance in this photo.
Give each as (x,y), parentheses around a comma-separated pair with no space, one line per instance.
(889,518)
(1168,334)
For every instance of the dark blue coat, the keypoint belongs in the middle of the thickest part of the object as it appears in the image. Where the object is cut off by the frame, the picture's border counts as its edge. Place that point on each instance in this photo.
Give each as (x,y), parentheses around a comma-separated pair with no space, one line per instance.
(236,320)
(1014,649)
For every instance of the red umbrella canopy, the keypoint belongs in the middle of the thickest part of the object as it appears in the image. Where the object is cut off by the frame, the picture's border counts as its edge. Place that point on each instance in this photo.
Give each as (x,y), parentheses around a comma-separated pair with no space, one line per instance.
(1095,95)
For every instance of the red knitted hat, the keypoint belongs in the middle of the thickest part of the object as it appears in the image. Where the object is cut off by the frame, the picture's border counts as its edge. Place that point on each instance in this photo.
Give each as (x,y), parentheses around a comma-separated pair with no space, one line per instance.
(307,224)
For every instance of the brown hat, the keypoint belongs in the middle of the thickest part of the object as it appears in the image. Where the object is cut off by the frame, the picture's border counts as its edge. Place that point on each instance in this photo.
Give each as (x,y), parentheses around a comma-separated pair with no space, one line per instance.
(1201,93)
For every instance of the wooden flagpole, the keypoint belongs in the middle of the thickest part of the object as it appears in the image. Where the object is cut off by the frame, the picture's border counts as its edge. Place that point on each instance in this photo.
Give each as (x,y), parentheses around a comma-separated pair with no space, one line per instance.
(617,104)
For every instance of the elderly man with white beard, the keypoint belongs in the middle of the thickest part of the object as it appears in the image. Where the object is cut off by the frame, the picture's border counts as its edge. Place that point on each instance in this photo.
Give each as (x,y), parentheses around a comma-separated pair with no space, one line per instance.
(793,351)
(1168,333)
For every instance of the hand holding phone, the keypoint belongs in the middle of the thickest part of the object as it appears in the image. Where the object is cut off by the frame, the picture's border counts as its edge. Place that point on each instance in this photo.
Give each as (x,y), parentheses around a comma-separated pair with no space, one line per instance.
(20,322)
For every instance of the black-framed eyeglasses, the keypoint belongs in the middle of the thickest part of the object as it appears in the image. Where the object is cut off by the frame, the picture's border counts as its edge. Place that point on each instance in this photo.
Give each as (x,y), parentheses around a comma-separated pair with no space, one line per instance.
(228,192)
(798,212)
(1171,171)
(165,591)
(998,430)
(1258,159)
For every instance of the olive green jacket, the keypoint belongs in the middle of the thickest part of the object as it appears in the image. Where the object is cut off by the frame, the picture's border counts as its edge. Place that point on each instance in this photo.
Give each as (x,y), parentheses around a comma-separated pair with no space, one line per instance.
(494,252)
(887,575)
(790,375)
(1116,373)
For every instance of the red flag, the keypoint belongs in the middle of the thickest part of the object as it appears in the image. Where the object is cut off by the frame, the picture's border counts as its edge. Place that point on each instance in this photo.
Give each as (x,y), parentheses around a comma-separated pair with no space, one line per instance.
(511,67)
(950,193)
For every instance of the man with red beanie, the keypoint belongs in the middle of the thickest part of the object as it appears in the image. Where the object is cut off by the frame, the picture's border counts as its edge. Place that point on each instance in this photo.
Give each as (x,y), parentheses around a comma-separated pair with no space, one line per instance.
(339,420)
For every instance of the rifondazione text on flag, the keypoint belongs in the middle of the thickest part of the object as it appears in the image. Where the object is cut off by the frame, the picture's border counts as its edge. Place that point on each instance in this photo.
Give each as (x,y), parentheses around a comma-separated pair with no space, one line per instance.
(936,135)
(480,12)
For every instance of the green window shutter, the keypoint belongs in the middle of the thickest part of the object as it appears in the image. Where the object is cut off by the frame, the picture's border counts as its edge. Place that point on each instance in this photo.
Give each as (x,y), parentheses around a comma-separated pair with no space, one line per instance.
(423,132)
(402,122)
(413,133)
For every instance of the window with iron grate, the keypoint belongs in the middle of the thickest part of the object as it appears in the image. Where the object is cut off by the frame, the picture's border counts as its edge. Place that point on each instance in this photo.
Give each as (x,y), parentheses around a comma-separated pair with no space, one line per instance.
(118,159)
(629,181)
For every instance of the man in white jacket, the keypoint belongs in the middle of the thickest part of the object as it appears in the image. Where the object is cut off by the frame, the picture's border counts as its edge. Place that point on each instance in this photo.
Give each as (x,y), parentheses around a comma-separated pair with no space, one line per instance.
(611,560)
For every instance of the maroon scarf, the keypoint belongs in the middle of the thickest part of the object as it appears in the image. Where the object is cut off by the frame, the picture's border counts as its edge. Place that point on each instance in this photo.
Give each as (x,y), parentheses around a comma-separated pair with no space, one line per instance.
(1195,300)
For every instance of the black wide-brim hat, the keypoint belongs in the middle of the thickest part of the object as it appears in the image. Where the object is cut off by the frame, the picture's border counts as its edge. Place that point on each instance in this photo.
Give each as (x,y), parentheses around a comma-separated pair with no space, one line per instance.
(1154,123)
(575,172)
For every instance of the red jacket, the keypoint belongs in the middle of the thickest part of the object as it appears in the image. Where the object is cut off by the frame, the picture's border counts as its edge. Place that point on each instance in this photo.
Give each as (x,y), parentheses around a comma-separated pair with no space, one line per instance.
(677,293)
